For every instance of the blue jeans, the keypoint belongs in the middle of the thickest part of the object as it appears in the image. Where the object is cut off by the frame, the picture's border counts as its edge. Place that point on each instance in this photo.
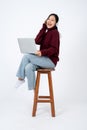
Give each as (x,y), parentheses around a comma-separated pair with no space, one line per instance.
(28,66)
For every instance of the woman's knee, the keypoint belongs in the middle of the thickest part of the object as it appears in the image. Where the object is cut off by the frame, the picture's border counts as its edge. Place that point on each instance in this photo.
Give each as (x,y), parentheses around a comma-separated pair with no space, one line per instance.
(25,58)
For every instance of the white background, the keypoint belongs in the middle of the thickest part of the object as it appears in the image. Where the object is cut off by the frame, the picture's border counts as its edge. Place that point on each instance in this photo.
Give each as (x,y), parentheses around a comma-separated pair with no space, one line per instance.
(24,18)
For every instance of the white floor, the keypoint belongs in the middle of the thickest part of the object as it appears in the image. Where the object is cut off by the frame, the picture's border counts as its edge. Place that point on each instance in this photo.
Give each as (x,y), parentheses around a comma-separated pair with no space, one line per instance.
(16,113)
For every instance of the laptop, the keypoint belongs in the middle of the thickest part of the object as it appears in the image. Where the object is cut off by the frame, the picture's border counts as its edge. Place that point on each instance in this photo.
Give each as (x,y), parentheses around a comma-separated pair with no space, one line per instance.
(27,45)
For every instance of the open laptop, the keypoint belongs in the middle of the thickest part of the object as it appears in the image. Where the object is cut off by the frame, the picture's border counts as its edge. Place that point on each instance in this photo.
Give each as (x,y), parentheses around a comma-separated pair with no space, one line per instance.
(27,45)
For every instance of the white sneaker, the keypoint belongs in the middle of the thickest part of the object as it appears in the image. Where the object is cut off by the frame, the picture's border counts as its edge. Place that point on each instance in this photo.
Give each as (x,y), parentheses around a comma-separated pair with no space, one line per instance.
(19,83)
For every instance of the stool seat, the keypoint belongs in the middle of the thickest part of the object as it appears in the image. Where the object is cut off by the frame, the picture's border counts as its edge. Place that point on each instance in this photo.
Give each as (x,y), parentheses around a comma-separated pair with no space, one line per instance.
(45,70)
(47,98)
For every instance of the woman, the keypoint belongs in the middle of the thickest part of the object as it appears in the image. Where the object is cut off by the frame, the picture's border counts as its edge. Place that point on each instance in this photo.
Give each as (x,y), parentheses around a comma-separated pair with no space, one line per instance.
(46,57)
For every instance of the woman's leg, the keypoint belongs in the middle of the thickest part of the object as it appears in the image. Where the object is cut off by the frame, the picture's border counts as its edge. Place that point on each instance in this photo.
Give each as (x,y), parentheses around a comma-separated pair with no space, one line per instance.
(29,64)
(30,74)
(41,61)
(21,71)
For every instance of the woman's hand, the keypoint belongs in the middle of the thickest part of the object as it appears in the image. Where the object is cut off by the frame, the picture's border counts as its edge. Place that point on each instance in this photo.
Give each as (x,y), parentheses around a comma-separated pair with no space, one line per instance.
(45,22)
(38,53)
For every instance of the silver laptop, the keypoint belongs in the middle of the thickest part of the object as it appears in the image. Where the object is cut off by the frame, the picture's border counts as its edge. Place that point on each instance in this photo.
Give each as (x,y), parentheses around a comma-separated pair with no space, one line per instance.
(27,45)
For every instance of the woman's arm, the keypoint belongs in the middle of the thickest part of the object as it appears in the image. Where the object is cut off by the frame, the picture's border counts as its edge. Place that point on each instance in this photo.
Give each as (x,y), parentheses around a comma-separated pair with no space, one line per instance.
(41,34)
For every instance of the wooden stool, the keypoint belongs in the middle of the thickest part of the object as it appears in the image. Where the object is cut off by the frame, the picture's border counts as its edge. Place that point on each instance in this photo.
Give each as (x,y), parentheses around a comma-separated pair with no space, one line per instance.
(48,99)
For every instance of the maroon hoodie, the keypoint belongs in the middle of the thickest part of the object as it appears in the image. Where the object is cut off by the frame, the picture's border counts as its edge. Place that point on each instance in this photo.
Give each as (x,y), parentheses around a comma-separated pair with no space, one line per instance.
(49,42)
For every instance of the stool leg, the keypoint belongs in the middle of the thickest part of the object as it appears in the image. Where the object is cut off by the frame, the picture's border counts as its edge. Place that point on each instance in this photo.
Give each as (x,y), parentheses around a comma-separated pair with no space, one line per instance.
(36,94)
(51,94)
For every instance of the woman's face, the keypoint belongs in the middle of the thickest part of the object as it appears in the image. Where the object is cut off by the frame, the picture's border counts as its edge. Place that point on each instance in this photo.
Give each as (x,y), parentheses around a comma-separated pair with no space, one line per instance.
(51,21)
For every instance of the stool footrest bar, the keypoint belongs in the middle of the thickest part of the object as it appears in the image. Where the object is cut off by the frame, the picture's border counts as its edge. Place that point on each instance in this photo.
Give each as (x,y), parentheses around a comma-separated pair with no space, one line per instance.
(44,96)
(44,101)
